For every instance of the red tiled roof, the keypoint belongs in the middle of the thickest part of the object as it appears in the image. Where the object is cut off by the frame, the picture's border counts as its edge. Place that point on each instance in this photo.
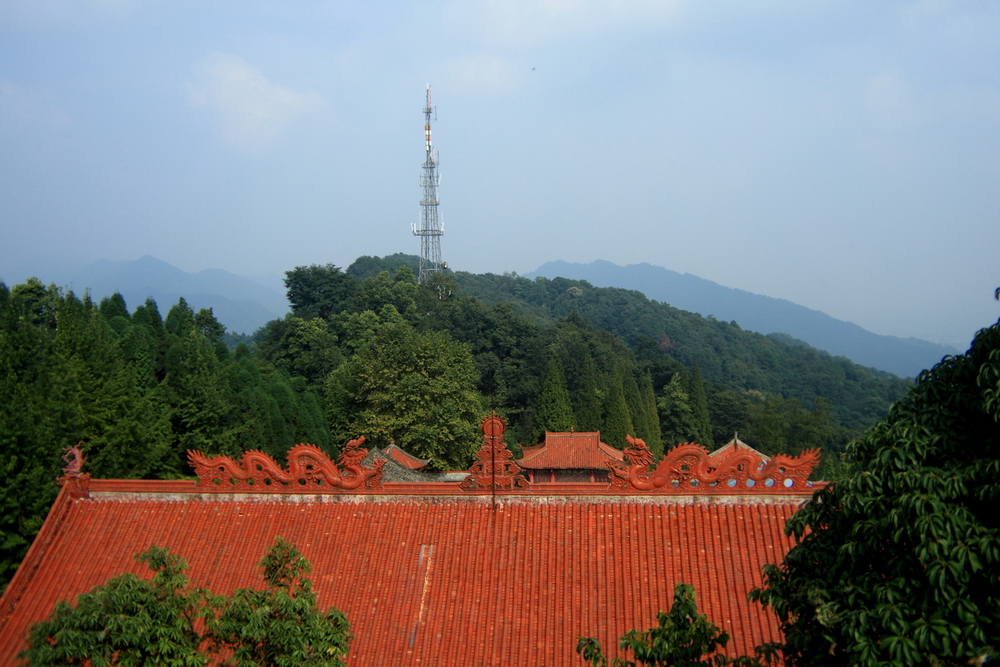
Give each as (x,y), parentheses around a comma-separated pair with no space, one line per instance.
(443,580)
(404,459)
(569,451)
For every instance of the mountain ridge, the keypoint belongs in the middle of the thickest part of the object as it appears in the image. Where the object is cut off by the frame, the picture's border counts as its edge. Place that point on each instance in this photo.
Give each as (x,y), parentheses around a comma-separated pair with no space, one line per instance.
(239,303)
(905,357)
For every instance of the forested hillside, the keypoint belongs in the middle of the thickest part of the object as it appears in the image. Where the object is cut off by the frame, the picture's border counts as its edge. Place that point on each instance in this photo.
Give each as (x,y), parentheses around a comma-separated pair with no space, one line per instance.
(368,351)
(905,357)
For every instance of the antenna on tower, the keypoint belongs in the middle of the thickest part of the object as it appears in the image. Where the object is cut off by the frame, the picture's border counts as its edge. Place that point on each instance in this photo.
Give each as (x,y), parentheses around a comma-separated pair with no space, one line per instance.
(430,229)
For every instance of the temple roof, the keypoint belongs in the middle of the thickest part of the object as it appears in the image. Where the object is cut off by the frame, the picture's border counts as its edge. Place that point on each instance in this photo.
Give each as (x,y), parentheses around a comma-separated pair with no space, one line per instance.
(485,569)
(444,580)
(570,451)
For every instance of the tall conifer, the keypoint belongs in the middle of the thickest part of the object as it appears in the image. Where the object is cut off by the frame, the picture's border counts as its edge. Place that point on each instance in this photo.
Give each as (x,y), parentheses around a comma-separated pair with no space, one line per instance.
(588,404)
(676,416)
(699,408)
(617,421)
(554,412)
(632,399)
(653,438)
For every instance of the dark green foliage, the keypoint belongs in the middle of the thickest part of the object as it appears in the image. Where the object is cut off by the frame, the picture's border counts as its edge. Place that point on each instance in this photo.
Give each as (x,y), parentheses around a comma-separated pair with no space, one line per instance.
(320,290)
(137,392)
(400,291)
(27,393)
(699,407)
(617,420)
(307,349)
(682,638)
(213,331)
(678,420)
(130,621)
(777,426)
(113,306)
(417,389)
(180,319)
(280,625)
(652,436)
(588,402)
(148,315)
(897,563)
(127,621)
(366,267)
(725,354)
(641,424)
(554,412)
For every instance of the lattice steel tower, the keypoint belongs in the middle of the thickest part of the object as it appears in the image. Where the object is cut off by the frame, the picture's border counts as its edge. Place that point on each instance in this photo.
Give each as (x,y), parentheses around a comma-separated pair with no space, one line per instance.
(431,228)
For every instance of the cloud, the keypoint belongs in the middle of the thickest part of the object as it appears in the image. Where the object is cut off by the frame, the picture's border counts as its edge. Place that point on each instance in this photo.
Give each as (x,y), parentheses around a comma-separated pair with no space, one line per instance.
(251,110)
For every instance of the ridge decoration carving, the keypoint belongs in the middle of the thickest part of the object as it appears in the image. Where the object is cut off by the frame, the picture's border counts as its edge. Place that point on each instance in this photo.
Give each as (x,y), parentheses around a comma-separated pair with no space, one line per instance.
(77,481)
(309,469)
(690,468)
(494,467)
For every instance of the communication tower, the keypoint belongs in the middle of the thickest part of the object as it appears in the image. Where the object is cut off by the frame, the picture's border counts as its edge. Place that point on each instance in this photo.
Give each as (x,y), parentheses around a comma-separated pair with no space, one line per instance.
(431,229)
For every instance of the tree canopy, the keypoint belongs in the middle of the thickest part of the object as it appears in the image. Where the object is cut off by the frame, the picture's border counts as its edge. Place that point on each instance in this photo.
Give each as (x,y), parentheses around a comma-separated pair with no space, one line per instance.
(417,389)
(164,621)
(897,563)
(682,638)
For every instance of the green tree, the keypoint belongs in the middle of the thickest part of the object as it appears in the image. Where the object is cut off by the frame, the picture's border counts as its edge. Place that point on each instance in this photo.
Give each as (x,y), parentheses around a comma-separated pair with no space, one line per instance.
(652,436)
(400,291)
(417,389)
(682,638)
(29,439)
(280,625)
(677,419)
(554,412)
(897,563)
(320,291)
(617,420)
(588,408)
(213,330)
(699,407)
(642,423)
(127,621)
(164,621)
(307,349)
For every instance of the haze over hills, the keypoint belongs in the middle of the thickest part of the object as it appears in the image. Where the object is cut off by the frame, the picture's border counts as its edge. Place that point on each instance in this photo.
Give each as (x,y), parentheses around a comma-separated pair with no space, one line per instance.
(239,303)
(244,305)
(903,356)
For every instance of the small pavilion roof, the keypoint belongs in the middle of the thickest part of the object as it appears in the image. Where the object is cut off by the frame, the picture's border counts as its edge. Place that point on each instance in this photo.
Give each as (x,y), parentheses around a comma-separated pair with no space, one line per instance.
(570,451)
(404,458)
(738,445)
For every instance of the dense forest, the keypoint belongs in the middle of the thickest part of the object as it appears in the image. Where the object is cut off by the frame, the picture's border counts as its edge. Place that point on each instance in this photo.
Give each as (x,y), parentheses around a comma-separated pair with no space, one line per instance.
(369,351)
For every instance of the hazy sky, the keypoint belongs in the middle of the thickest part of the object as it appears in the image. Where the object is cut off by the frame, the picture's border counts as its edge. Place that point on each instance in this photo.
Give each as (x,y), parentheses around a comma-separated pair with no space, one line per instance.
(843,155)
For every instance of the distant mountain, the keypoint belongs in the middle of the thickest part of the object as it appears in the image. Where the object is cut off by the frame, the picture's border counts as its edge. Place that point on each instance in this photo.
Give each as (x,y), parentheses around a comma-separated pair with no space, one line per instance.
(241,304)
(903,356)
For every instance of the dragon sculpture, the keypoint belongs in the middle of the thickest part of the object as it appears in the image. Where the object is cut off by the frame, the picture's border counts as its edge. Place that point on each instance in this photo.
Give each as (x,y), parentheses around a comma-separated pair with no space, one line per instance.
(73,458)
(73,477)
(689,467)
(309,468)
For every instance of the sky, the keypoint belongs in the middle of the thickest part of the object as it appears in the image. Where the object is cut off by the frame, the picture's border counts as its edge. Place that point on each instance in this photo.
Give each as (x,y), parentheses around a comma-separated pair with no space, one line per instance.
(844,155)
